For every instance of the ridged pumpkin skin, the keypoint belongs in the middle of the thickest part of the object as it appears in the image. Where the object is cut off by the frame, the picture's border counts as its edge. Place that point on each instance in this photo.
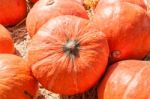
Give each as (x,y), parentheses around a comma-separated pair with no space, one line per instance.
(6,42)
(148,7)
(80,1)
(126,80)
(34,1)
(142,3)
(48,9)
(16,80)
(127,27)
(12,11)
(67,56)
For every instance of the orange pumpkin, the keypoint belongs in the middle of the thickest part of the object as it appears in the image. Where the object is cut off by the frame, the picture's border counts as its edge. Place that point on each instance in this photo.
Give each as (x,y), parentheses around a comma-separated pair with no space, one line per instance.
(12,11)
(67,55)
(16,80)
(6,42)
(126,80)
(48,9)
(127,27)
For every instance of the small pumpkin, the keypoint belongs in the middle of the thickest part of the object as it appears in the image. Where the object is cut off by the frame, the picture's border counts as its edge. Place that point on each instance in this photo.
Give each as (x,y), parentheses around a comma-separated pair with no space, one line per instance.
(12,11)
(44,10)
(67,55)
(6,42)
(16,80)
(127,79)
(127,28)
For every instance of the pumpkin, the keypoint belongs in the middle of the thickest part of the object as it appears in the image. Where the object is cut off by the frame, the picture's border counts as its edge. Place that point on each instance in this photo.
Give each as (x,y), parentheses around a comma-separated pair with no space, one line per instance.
(6,42)
(67,55)
(127,28)
(16,80)
(12,11)
(48,9)
(127,79)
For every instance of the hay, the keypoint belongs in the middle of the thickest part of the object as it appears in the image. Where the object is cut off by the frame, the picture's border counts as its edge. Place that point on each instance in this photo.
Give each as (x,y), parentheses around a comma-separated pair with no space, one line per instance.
(90,94)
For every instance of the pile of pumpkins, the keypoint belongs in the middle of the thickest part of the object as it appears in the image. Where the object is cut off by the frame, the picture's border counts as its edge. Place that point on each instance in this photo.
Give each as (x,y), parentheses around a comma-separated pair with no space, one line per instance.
(70,52)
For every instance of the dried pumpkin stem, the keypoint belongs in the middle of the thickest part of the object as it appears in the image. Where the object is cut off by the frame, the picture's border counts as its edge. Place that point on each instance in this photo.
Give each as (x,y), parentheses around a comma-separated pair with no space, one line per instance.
(28,94)
(50,2)
(71,48)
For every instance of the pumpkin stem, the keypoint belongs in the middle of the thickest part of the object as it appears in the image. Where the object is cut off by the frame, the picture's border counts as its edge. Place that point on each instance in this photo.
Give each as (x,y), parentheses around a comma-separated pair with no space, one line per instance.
(116,53)
(71,48)
(28,94)
(147,57)
(50,2)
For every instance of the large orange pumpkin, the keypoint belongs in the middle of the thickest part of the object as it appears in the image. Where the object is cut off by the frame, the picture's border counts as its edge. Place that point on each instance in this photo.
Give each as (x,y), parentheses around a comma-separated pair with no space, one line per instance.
(16,80)
(12,11)
(67,55)
(6,42)
(126,80)
(48,9)
(127,27)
